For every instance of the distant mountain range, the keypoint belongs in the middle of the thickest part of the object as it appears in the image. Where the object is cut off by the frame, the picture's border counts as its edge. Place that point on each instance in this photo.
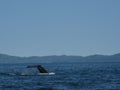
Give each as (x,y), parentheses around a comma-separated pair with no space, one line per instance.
(59,59)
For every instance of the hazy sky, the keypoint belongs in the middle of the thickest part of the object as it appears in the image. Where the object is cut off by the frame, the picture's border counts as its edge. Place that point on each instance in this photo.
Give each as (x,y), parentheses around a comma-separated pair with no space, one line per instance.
(58,27)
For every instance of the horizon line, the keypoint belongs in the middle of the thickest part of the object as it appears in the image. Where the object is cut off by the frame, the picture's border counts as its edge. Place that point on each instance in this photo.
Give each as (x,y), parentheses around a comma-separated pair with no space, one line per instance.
(58,55)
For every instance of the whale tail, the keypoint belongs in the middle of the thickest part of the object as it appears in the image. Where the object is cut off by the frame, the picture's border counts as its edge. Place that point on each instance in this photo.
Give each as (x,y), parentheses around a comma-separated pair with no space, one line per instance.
(39,67)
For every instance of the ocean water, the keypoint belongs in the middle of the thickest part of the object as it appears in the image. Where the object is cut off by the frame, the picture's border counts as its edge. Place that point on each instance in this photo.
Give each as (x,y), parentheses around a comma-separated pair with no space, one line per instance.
(69,76)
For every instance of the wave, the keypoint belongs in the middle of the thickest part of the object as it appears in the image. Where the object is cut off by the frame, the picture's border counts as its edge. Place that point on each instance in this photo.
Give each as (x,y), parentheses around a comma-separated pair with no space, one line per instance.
(13,74)
(25,74)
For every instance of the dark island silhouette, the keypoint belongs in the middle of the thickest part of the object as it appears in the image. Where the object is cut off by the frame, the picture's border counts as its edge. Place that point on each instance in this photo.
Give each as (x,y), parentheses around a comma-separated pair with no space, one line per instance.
(4,58)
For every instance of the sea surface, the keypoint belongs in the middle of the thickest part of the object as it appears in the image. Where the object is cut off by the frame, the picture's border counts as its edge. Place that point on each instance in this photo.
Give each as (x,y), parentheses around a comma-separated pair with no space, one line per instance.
(69,76)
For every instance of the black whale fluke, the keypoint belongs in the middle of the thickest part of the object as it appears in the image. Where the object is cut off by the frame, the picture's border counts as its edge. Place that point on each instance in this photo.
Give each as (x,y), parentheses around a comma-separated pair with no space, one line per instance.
(39,67)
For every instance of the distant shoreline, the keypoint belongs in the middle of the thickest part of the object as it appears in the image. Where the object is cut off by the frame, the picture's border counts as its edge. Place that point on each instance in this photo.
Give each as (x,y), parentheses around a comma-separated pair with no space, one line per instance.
(4,58)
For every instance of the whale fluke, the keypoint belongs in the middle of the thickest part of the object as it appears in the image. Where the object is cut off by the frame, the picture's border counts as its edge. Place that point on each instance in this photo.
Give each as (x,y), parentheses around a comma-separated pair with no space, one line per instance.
(39,67)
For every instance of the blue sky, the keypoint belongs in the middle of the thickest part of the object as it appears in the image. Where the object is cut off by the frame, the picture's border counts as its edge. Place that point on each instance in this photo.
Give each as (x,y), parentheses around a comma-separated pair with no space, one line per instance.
(58,27)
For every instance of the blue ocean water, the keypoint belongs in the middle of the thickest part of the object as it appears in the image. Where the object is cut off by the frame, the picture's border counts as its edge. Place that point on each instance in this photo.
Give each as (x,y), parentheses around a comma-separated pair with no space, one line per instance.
(69,76)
